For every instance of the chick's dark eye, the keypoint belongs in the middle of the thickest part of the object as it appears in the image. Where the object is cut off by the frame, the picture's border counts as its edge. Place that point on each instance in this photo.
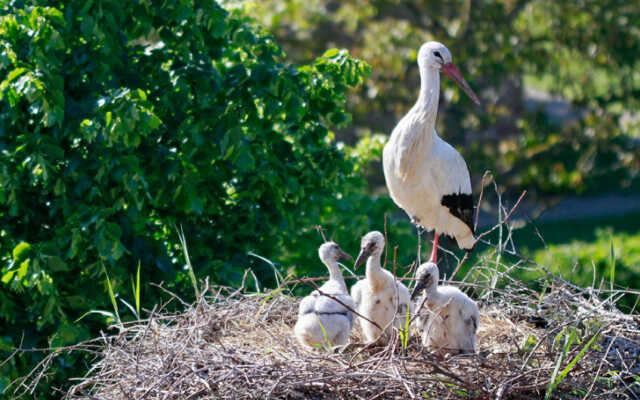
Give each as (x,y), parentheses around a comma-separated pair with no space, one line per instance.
(437,54)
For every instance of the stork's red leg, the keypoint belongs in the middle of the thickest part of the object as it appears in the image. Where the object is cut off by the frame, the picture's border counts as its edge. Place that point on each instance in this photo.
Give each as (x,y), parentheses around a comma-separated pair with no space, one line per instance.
(434,251)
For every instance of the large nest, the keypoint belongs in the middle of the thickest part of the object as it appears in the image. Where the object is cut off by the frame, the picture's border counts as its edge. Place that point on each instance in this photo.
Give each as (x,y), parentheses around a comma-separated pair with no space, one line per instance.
(559,341)
(234,345)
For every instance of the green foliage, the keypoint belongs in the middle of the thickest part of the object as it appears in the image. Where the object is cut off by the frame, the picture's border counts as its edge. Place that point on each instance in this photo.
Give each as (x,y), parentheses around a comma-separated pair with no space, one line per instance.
(584,259)
(578,250)
(120,121)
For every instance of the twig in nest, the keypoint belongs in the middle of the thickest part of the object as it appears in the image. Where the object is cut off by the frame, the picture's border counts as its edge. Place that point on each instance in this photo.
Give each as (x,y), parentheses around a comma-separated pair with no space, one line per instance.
(320,292)
(320,230)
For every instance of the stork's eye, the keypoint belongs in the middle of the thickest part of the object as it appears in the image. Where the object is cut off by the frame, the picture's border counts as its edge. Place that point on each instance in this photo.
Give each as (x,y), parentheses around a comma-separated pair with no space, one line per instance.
(437,54)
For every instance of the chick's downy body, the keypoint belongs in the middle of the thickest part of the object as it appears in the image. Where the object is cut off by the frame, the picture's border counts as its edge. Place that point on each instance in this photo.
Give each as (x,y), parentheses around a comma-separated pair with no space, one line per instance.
(379,297)
(449,318)
(323,321)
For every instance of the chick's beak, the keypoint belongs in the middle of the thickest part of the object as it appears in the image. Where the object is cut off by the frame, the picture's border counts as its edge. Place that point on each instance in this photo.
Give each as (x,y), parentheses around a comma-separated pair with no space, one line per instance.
(342,256)
(417,290)
(364,254)
(423,282)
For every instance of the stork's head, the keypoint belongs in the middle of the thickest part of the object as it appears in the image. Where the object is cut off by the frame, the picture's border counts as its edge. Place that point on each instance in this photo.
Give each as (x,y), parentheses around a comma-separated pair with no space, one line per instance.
(435,55)
(331,252)
(372,245)
(426,277)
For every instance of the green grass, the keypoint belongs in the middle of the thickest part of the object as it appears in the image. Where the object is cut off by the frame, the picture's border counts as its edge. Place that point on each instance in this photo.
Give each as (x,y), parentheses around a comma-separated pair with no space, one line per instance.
(576,249)
(188,266)
(557,232)
(112,295)
(404,331)
(324,334)
(569,338)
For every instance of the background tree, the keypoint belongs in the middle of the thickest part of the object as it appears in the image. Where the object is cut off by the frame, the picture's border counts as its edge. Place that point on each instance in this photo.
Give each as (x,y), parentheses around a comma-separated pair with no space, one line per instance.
(585,51)
(119,123)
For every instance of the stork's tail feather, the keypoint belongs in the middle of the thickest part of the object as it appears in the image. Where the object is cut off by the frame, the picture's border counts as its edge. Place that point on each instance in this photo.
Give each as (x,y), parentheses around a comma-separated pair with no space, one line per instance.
(467,242)
(460,205)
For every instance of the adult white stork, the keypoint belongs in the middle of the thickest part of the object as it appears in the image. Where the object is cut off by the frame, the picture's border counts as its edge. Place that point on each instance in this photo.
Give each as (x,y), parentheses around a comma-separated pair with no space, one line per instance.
(425,176)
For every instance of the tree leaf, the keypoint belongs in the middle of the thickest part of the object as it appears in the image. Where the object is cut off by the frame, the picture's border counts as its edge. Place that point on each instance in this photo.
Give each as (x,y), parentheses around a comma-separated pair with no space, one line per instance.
(21,250)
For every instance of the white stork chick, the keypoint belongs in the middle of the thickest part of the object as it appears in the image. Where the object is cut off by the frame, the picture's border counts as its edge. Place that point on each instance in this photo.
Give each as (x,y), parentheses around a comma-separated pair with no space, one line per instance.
(379,297)
(450,320)
(317,309)
(425,176)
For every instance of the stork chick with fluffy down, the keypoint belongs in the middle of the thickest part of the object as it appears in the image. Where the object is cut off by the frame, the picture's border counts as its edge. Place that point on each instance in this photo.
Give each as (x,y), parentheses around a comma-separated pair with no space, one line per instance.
(320,318)
(450,320)
(379,297)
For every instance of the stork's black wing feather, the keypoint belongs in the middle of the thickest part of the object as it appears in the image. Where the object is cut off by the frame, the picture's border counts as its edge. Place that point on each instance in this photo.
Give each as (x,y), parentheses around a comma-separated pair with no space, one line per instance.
(461,206)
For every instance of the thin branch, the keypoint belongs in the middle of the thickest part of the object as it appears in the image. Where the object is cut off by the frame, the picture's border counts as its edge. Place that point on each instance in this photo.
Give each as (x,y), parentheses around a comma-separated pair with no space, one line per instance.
(320,292)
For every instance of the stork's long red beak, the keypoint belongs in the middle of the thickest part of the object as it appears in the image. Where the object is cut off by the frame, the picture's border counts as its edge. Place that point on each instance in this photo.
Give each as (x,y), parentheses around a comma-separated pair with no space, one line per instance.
(453,73)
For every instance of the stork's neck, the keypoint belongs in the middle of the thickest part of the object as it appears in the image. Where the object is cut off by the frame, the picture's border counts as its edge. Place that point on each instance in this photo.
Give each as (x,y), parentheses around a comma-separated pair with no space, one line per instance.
(432,293)
(426,108)
(334,272)
(374,268)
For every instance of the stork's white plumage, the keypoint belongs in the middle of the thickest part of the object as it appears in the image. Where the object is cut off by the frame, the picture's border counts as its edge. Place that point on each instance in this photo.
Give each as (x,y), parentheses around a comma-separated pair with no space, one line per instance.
(425,176)
(320,318)
(379,297)
(449,320)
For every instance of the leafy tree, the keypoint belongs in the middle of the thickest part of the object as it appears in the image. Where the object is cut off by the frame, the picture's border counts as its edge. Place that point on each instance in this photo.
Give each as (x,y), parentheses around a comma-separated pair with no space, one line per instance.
(586,51)
(122,121)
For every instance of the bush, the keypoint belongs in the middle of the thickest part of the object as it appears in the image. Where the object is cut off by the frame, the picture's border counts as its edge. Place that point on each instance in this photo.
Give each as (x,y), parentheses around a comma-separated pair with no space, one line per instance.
(120,122)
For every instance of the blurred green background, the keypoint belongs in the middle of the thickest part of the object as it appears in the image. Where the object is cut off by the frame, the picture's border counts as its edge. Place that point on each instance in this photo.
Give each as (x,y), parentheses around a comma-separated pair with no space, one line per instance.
(560,117)
(247,124)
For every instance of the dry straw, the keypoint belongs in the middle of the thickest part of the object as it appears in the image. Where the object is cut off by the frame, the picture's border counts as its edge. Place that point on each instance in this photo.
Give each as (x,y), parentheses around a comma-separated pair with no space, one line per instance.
(561,342)
(233,345)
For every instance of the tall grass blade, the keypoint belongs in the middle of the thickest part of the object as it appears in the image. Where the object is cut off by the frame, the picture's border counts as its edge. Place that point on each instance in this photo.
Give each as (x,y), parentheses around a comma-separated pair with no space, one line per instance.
(573,362)
(130,307)
(276,273)
(568,341)
(405,331)
(99,312)
(137,293)
(612,271)
(192,275)
(112,296)
(135,289)
(324,333)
